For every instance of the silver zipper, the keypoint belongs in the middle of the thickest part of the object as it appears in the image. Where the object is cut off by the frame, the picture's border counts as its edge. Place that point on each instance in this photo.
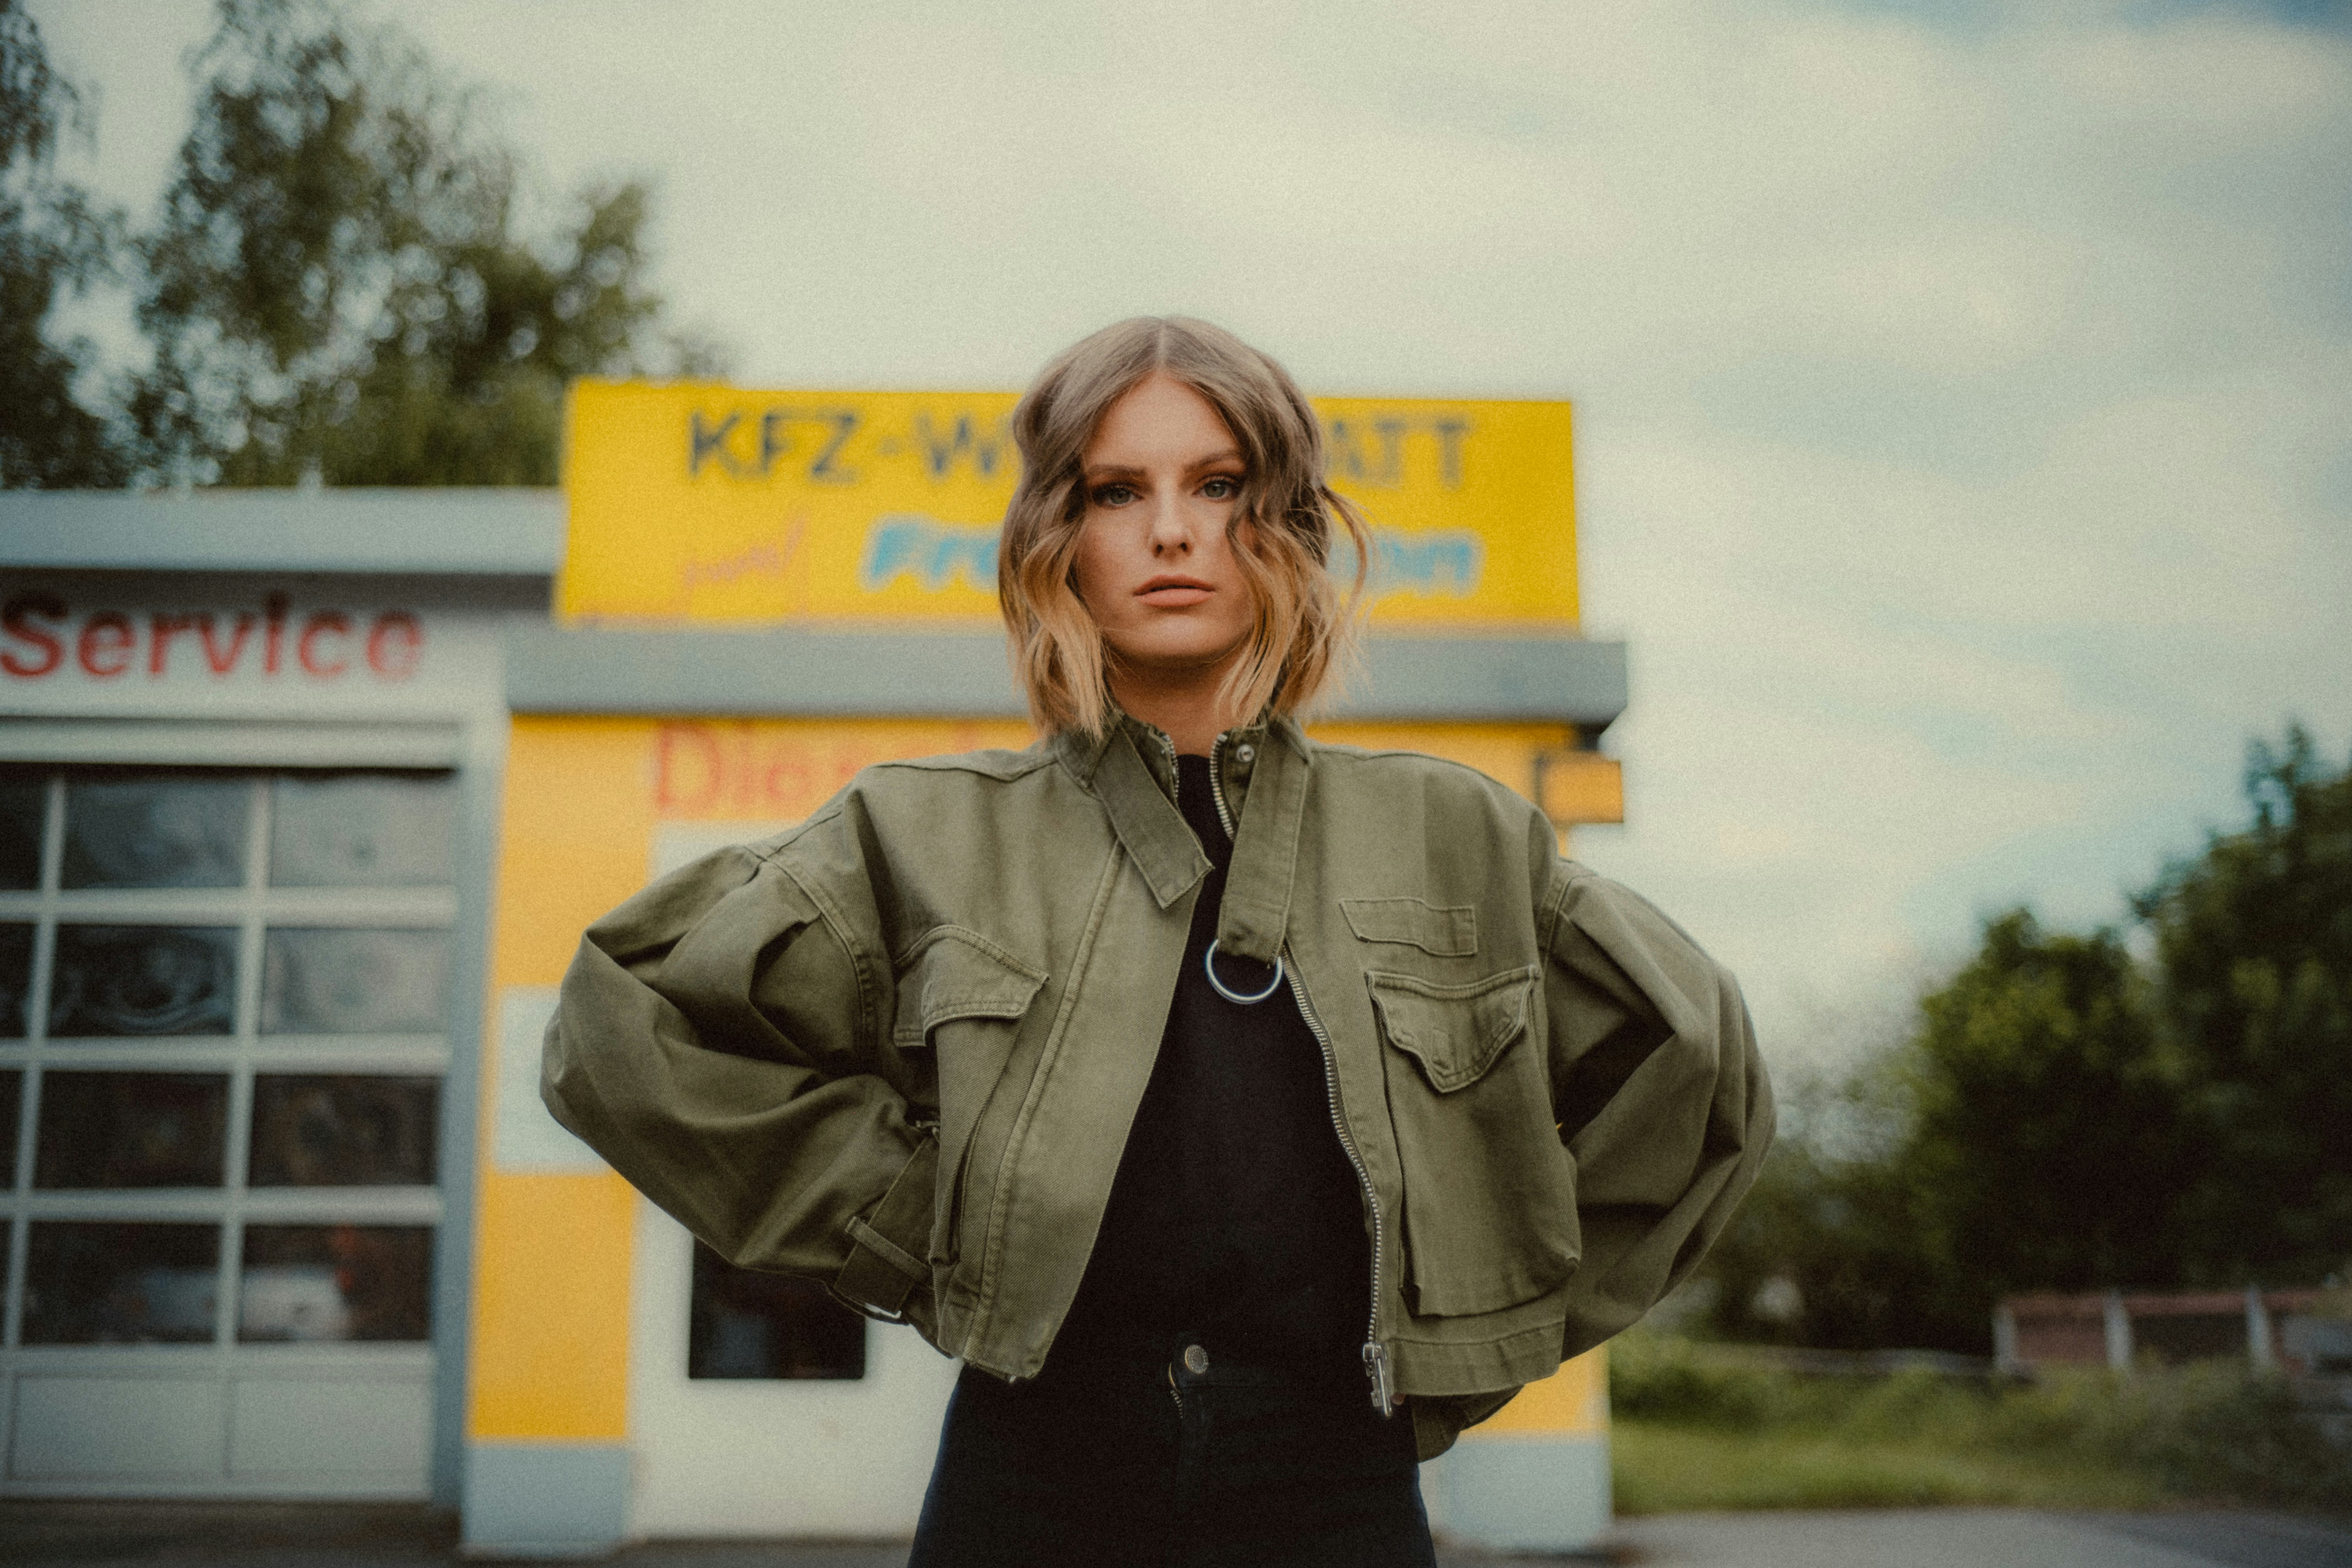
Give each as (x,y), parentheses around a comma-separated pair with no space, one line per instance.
(1376,1355)
(1175,774)
(1217,781)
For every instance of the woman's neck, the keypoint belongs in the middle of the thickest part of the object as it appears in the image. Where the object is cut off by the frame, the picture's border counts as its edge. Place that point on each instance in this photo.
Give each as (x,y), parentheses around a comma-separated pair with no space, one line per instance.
(1186,704)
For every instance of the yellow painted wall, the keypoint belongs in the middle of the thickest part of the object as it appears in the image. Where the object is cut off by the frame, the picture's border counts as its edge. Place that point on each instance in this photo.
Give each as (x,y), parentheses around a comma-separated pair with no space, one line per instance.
(1571,1402)
(584,797)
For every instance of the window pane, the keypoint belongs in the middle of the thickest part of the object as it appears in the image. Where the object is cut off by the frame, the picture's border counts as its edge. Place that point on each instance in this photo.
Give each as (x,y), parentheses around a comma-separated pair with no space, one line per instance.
(334,981)
(155,831)
(16,979)
(120,1284)
(745,1324)
(361,830)
(131,1130)
(336,1282)
(21,804)
(11,1089)
(348,1130)
(144,980)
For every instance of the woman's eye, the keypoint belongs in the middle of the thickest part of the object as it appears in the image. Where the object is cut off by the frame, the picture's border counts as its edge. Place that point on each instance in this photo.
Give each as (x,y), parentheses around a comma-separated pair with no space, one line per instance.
(1113,495)
(1222,488)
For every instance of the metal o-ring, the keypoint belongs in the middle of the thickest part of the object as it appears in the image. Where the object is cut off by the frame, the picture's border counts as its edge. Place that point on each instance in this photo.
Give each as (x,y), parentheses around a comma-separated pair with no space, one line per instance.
(1209,963)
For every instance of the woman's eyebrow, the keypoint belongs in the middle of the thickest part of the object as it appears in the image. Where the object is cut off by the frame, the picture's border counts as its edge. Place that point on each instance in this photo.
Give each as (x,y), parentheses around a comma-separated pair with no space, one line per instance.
(1099,472)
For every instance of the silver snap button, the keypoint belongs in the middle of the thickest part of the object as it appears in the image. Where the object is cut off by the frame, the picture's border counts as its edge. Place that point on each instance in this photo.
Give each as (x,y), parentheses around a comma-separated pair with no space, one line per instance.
(1244,753)
(1196,1359)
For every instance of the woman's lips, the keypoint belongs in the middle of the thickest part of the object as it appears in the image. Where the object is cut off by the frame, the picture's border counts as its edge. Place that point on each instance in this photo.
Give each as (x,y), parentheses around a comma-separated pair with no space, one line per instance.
(1173,593)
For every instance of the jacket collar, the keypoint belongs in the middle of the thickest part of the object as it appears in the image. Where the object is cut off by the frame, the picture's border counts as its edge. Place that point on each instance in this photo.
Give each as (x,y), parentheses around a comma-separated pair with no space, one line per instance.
(1131,768)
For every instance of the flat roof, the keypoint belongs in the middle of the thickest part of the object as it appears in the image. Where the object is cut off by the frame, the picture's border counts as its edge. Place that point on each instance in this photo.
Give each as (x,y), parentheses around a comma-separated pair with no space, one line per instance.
(438,533)
(554,668)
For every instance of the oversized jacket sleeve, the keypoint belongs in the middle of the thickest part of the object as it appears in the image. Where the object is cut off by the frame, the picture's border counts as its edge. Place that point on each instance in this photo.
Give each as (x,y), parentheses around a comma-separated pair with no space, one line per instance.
(721,1040)
(1661,1095)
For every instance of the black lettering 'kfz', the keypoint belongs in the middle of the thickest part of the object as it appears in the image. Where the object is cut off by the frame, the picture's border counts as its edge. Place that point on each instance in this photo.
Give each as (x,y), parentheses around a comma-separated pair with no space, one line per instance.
(709,443)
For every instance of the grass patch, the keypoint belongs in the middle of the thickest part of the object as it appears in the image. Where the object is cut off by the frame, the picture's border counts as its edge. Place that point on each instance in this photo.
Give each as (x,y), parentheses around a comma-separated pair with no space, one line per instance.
(1696,1428)
(1665,1469)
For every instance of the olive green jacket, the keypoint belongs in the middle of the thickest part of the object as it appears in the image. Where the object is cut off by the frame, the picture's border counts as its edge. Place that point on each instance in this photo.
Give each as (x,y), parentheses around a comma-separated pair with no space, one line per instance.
(898,1047)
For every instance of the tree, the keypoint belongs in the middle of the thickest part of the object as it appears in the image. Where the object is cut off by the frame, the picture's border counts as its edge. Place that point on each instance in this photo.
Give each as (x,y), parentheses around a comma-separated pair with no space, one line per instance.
(2047,1129)
(51,239)
(339,290)
(2253,939)
(2062,1117)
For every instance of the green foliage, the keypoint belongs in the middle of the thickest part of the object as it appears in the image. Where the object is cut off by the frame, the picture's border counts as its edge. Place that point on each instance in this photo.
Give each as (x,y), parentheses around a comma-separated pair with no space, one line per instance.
(2255,941)
(1697,1426)
(2059,1116)
(1838,1214)
(52,240)
(340,288)
(2048,1132)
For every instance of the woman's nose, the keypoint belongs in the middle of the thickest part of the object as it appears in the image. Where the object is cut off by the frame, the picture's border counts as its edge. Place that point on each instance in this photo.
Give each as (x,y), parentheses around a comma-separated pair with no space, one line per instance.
(1172,530)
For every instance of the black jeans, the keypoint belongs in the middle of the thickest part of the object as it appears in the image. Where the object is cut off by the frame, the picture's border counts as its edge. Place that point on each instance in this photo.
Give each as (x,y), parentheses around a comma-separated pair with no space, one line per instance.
(1137,1468)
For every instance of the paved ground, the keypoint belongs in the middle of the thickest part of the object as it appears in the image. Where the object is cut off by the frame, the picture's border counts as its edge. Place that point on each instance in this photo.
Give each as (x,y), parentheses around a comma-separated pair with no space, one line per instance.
(118,1535)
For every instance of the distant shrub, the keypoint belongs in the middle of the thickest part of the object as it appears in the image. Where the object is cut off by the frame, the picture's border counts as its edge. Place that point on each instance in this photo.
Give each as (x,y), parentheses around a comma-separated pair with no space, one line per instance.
(2213,1431)
(1662,1377)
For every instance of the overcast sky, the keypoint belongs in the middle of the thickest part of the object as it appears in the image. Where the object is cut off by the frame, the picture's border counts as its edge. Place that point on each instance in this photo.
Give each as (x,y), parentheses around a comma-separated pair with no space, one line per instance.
(1965,407)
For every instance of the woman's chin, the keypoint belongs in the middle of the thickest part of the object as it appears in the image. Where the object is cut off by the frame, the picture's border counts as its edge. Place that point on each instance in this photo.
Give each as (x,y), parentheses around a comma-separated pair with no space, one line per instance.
(1174,661)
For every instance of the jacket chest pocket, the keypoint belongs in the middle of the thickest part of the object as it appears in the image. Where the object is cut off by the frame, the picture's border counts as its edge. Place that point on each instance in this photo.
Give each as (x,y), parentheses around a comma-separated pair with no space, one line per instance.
(1489,1192)
(962,998)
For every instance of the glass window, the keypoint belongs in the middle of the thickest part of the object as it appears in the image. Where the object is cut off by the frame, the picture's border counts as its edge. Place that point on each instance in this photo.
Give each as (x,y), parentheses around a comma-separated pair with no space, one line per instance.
(131,1130)
(361,830)
(155,831)
(329,981)
(749,1325)
(336,1282)
(91,1283)
(11,1089)
(346,1130)
(144,980)
(22,803)
(16,979)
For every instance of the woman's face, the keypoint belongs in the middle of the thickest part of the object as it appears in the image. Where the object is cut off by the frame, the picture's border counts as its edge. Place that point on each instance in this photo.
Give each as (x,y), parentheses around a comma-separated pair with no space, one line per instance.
(1155,564)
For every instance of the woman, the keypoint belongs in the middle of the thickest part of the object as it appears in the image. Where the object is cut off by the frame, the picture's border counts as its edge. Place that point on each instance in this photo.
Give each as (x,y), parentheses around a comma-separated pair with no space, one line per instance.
(1250,1115)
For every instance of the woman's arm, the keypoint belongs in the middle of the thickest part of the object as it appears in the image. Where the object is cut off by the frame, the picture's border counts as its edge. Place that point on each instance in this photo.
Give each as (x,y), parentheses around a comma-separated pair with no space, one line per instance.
(720,1039)
(1660,1096)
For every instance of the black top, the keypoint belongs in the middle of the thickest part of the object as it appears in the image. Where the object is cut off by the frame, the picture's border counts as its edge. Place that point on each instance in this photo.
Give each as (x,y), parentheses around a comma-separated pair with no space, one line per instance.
(1235,1215)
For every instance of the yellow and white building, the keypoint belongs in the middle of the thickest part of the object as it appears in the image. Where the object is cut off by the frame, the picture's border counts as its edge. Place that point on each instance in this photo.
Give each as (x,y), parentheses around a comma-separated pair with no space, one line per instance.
(304,800)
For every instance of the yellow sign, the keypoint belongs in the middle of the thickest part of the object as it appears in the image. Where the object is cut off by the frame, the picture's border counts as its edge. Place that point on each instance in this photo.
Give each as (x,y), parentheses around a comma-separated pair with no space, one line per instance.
(707,503)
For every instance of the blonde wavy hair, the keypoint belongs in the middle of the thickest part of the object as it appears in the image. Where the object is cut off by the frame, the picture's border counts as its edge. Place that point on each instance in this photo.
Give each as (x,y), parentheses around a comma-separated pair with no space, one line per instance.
(1282,531)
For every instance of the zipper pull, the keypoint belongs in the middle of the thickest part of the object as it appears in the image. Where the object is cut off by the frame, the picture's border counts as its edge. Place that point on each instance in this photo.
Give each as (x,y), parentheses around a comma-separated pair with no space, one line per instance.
(1376,1367)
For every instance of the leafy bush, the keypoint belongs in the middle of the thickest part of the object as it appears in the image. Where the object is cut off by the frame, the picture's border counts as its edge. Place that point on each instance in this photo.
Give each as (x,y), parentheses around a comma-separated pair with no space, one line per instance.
(2209,1432)
(1659,1377)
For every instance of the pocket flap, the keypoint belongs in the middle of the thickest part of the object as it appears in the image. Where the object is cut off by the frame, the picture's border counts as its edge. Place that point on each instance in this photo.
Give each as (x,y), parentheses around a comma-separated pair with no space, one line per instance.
(1454,1032)
(959,974)
(1449,930)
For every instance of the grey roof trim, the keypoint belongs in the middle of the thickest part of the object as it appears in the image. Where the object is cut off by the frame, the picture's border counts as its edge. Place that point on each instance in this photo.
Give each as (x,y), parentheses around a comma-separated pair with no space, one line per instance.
(962,674)
(1556,679)
(242,743)
(457,532)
